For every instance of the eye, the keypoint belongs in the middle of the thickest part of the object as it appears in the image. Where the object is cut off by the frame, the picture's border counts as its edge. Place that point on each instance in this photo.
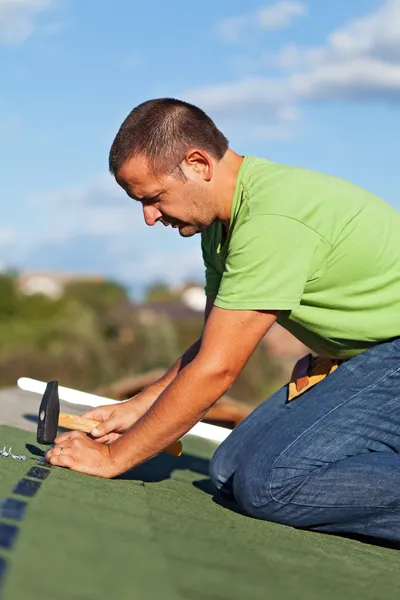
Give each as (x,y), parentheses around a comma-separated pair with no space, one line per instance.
(152,200)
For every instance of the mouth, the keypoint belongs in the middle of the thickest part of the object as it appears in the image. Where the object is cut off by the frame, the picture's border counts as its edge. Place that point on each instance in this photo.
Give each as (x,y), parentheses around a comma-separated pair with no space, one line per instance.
(174,224)
(177,224)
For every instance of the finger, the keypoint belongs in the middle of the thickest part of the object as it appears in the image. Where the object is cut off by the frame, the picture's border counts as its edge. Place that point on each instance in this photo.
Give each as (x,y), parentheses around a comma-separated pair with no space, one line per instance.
(109,438)
(94,414)
(63,437)
(62,460)
(59,449)
(68,436)
(112,437)
(104,428)
(100,413)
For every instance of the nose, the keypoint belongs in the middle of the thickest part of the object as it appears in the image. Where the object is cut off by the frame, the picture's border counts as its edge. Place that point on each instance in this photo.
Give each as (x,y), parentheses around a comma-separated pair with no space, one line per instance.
(151,215)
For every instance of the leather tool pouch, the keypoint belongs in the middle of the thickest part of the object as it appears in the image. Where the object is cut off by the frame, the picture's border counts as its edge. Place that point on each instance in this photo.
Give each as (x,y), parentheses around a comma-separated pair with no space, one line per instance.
(309,371)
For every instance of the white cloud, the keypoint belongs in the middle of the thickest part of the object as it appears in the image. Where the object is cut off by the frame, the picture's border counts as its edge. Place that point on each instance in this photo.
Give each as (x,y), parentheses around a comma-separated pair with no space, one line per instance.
(97,190)
(97,207)
(280,15)
(282,129)
(359,61)
(17,19)
(273,16)
(375,36)
(96,227)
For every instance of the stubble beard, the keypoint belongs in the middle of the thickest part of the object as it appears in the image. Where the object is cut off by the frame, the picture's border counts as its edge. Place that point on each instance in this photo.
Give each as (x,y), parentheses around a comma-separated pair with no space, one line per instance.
(205,220)
(191,230)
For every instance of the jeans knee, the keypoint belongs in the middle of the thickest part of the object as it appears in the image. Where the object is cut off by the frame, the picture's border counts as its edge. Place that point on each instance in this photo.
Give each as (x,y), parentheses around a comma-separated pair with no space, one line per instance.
(265,495)
(215,471)
(220,470)
(251,492)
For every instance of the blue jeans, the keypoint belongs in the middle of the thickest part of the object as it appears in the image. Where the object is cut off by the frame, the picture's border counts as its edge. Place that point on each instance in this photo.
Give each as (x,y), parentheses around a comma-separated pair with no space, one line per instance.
(328,460)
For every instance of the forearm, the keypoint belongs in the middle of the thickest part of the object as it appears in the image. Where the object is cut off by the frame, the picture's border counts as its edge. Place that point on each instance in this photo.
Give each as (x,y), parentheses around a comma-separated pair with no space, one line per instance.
(182,404)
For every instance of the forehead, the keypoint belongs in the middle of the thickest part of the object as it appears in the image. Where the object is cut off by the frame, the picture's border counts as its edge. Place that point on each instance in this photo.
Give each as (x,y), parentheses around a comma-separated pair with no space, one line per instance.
(136,172)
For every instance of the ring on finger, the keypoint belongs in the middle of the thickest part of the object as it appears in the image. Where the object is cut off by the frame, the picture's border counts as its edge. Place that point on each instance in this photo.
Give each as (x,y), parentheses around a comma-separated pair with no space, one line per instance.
(61,450)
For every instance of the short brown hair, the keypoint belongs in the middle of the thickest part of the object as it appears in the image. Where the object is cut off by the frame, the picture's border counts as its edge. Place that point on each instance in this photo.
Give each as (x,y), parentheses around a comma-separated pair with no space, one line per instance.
(163,130)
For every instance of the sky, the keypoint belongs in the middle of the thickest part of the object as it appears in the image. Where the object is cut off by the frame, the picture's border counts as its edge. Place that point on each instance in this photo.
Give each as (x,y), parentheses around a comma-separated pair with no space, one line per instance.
(311,83)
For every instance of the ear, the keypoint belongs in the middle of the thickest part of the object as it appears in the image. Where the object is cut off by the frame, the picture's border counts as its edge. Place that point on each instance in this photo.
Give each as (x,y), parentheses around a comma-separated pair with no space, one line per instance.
(200,162)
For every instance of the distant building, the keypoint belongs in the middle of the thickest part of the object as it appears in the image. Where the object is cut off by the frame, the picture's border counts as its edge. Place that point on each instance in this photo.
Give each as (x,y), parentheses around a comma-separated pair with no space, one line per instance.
(50,284)
(194,297)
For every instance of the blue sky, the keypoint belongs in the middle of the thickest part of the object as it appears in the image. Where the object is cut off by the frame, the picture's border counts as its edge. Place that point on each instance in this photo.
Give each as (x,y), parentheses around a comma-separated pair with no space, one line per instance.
(314,83)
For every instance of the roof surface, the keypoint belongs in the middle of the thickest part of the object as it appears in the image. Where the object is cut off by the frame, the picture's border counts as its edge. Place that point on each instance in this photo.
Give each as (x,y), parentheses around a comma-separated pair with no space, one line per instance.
(159,533)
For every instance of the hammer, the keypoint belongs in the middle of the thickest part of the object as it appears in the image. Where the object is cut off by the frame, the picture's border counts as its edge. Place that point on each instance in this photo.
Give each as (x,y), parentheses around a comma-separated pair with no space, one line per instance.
(50,418)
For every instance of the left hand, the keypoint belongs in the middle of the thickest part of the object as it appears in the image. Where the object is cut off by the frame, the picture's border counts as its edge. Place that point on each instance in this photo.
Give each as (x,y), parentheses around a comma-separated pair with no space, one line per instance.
(76,451)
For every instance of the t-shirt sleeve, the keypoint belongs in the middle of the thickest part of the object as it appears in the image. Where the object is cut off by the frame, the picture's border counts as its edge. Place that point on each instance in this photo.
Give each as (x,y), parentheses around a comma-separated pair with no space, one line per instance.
(213,276)
(269,261)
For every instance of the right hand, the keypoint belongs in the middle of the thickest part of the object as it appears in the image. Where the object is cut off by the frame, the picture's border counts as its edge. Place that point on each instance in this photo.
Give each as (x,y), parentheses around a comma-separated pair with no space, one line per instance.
(114,419)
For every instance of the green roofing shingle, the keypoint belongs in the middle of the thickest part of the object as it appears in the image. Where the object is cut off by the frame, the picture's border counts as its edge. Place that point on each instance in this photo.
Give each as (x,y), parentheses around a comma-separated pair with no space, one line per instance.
(158,534)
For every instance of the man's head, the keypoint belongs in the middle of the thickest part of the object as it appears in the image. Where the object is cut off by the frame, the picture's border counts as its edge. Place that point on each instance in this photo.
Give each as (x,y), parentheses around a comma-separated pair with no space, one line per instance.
(165,154)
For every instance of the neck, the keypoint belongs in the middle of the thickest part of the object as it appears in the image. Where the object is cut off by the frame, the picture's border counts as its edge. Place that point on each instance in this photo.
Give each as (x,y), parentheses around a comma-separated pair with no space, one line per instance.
(227,170)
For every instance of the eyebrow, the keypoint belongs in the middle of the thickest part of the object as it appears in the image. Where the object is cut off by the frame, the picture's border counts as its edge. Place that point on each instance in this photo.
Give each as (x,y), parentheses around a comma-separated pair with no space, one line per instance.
(147,198)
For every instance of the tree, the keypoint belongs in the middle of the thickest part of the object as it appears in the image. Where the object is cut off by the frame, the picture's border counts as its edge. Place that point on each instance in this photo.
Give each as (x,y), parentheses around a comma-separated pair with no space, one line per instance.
(159,292)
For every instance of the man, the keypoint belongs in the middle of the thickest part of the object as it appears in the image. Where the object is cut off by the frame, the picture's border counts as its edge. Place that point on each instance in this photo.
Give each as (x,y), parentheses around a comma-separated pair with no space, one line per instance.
(317,254)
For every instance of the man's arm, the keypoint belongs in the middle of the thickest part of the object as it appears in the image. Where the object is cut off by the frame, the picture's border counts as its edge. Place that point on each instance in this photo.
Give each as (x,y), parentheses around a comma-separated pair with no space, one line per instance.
(229,339)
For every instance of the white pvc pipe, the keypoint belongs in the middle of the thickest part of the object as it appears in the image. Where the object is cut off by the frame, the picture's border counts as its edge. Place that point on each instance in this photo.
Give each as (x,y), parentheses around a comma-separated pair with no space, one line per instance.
(64,393)
(215,433)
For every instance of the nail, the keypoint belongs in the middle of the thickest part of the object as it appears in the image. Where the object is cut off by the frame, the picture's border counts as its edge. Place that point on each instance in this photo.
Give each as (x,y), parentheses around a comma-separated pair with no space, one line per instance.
(9,454)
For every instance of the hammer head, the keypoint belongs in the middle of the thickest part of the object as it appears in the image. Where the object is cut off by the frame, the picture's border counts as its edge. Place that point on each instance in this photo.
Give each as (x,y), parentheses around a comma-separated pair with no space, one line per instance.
(48,414)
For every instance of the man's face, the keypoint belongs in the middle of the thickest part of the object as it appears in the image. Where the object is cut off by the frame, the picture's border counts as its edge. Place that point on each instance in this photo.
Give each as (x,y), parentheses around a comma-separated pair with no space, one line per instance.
(186,205)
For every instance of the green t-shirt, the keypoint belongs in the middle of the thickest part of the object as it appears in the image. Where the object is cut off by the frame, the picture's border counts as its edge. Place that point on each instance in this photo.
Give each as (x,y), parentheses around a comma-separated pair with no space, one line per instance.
(321,250)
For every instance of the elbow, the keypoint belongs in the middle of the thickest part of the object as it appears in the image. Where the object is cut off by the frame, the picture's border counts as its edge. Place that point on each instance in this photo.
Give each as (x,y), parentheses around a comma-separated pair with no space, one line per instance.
(219,372)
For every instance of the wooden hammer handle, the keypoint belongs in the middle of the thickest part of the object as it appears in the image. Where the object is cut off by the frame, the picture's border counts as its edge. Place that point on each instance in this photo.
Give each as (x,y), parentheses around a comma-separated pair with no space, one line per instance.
(76,423)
